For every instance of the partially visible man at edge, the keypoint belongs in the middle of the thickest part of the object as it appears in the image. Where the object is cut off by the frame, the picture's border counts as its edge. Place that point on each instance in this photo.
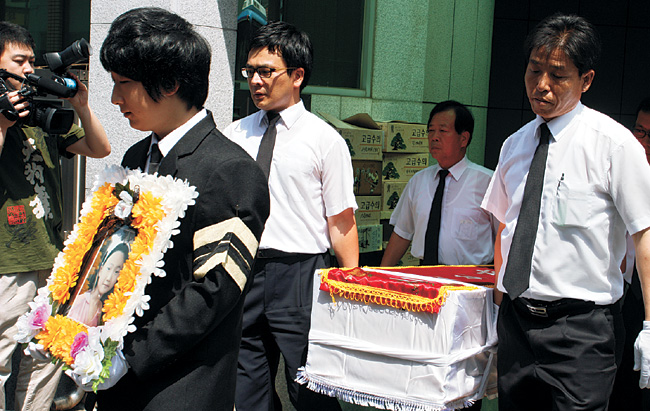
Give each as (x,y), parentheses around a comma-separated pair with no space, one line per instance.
(626,394)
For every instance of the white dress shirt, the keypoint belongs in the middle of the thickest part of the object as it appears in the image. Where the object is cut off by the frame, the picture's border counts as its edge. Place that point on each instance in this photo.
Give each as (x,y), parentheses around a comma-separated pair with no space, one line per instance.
(595,187)
(310,178)
(168,142)
(467,232)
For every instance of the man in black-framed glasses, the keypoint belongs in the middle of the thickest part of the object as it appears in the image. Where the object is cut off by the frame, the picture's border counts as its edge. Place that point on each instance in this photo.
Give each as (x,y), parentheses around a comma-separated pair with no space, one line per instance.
(264,72)
(309,171)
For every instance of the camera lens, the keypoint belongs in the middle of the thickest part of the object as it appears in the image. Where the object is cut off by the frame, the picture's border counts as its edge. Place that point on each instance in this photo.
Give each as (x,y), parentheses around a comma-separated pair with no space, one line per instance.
(77,51)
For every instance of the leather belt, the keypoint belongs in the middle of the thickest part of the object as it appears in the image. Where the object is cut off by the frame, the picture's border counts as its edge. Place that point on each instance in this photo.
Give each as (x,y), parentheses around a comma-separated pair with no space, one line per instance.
(554,309)
(273,253)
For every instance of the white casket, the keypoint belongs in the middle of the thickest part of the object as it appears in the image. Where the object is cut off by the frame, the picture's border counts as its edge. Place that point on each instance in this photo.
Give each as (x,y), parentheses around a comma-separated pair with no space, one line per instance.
(390,358)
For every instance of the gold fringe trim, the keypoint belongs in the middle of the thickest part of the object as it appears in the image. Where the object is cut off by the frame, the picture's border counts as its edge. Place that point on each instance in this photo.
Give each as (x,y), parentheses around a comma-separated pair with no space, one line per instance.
(390,298)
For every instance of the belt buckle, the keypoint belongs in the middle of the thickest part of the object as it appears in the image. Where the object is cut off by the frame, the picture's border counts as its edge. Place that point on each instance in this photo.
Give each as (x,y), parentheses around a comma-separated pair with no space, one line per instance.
(537,311)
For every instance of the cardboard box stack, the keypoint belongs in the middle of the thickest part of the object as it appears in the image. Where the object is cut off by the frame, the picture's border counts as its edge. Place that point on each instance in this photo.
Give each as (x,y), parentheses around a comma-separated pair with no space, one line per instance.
(390,195)
(369,211)
(400,137)
(385,155)
(364,138)
(406,151)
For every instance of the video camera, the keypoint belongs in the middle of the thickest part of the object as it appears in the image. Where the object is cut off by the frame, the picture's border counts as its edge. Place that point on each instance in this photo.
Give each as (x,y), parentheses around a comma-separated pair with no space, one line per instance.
(51,118)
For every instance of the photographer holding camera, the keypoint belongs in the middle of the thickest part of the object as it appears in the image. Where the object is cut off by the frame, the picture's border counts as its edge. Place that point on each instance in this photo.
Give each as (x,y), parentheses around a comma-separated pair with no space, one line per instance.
(31,205)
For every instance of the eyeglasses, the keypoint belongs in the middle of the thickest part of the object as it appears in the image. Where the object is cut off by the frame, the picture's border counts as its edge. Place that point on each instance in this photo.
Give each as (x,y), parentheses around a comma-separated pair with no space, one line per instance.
(640,133)
(263,72)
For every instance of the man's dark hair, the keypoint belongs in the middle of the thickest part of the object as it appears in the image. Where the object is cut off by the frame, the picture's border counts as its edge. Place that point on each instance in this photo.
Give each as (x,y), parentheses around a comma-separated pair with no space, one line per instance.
(161,50)
(464,119)
(644,106)
(11,33)
(572,34)
(290,43)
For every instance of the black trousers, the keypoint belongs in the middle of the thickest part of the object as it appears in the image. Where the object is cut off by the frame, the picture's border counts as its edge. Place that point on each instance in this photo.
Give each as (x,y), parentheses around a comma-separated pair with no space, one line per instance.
(277,317)
(565,361)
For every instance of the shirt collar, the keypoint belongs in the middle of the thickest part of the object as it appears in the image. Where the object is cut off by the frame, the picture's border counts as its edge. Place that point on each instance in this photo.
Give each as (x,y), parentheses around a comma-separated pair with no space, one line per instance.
(457,170)
(559,124)
(288,116)
(166,144)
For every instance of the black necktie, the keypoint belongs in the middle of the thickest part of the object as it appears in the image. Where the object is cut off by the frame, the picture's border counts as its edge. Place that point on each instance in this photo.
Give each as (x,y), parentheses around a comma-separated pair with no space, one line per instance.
(154,158)
(517,274)
(265,152)
(432,236)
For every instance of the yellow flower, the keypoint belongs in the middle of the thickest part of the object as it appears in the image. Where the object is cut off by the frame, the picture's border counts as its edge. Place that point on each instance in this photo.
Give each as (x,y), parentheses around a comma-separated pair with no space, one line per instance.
(147,211)
(60,331)
(58,336)
(65,276)
(114,305)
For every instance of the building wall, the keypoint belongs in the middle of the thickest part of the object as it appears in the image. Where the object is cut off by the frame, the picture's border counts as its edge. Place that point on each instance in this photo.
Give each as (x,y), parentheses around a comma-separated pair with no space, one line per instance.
(425,52)
(215,20)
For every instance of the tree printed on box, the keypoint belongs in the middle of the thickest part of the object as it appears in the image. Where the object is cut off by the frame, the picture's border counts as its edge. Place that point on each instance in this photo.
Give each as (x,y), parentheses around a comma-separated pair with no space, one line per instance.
(390,171)
(392,200)
(398,142)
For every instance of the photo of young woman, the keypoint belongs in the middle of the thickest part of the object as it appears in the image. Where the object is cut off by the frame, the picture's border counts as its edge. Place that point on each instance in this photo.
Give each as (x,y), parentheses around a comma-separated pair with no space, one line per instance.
(87,307)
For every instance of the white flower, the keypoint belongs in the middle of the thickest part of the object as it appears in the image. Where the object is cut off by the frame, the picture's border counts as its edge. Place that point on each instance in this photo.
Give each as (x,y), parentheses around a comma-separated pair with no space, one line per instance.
(111,174)
(126,197)
(88,364)
(94,337)
(25,331)
(32,322)
(123,209)
(42,298)
(117,328)
(143,306)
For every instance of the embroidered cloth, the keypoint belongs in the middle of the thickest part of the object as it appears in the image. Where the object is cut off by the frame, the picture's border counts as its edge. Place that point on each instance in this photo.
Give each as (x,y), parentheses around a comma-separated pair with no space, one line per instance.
(411,288)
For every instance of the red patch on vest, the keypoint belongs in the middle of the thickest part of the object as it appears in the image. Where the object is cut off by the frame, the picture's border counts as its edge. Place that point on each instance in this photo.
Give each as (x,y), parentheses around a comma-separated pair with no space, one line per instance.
(16,215)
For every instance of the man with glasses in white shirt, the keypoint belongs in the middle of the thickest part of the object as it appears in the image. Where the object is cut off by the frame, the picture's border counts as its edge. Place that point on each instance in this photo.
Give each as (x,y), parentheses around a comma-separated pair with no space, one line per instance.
(310,178)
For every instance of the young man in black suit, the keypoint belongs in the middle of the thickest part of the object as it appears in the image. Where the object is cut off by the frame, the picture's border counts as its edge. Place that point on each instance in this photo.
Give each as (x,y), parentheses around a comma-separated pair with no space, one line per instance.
(183,355)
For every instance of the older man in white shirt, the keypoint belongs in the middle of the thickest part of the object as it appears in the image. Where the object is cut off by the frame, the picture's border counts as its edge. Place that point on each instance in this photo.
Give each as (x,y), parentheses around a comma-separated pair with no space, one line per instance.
(466,232)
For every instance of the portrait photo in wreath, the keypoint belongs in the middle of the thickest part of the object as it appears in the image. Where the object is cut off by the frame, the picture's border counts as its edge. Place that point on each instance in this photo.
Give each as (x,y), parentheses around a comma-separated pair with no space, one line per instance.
(98,277)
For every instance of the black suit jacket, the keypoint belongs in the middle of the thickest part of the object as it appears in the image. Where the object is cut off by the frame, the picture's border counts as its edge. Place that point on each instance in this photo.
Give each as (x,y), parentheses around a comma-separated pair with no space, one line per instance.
(183,355)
